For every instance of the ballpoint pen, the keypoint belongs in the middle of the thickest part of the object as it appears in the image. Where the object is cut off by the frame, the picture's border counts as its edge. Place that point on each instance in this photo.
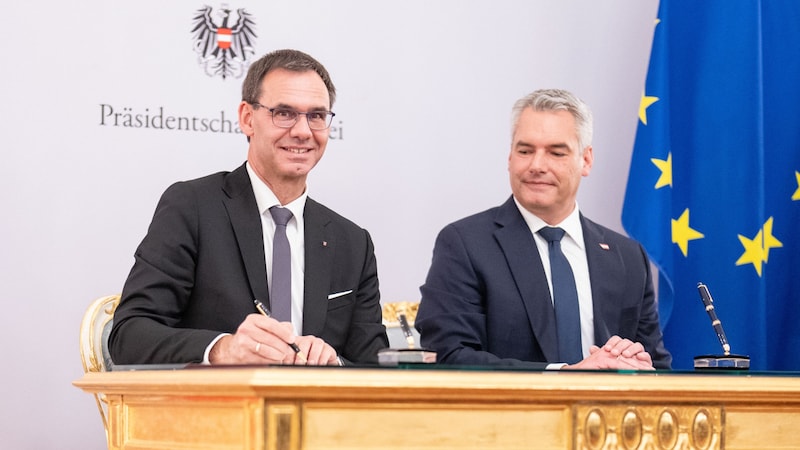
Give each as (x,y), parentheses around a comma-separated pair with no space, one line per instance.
(708,302)
(263,310)
(401,317)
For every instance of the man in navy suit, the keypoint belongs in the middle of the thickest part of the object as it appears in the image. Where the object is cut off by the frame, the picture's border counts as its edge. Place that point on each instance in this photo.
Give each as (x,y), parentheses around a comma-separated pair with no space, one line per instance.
(487,297)
(189,296)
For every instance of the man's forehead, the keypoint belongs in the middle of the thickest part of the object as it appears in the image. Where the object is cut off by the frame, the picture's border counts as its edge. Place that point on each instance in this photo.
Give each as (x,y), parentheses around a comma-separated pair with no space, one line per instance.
(290,87)
(551,126)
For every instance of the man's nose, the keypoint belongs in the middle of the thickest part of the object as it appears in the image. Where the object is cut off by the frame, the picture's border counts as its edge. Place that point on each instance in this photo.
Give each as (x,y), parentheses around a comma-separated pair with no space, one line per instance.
(538,162)
(301,128)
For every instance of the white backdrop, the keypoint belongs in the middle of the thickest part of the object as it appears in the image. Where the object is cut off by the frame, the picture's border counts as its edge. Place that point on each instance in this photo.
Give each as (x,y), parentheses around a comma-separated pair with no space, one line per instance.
(425,91)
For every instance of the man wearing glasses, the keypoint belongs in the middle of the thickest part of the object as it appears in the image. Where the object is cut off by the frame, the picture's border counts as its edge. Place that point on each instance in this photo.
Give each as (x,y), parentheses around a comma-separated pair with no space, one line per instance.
(220,242)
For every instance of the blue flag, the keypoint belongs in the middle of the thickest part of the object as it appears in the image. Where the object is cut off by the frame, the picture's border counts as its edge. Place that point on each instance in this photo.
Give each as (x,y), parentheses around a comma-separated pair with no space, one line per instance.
(713,192)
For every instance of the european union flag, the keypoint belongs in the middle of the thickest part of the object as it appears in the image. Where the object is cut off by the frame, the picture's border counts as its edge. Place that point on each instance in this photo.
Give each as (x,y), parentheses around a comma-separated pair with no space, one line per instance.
(714,187)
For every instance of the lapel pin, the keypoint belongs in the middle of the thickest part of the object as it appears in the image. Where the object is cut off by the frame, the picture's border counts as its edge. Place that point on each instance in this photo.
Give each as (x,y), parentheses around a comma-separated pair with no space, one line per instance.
(604,246)
(324,243)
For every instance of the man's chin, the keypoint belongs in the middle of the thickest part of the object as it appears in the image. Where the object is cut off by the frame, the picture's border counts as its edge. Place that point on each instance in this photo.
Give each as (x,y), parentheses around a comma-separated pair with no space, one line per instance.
(536,205)
(299,169)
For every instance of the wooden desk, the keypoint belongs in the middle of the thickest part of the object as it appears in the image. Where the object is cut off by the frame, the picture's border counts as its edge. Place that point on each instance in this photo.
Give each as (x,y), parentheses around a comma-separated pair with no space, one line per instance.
(280,408)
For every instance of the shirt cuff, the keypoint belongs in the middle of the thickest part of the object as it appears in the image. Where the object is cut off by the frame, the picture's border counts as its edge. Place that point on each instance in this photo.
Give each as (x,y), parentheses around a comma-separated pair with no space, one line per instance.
(208,348)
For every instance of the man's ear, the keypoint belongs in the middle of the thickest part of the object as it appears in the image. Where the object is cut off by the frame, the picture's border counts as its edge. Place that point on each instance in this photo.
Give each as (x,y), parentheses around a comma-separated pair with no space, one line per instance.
(588,160)
(246,113)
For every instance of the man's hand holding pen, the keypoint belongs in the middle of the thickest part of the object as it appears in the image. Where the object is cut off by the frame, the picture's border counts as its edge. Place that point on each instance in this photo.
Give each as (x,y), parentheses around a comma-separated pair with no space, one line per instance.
(263,340)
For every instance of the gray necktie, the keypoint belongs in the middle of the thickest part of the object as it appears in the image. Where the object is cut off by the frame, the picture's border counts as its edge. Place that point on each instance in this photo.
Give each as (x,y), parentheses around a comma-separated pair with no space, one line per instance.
(280,297)
(565,299)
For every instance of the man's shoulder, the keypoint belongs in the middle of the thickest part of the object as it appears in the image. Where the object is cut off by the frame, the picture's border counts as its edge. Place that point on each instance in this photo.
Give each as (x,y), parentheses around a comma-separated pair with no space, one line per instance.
(213,181)
(491,218)
(477,228)
(317,210)
(478,219)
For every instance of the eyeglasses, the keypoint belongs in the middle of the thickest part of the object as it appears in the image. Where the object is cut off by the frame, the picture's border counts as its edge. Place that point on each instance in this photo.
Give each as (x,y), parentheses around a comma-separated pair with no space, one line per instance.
(286,118)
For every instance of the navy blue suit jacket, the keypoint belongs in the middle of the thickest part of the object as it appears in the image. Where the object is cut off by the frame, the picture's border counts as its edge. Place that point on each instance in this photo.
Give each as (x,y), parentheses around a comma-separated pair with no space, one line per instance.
(202,263)
(486,300)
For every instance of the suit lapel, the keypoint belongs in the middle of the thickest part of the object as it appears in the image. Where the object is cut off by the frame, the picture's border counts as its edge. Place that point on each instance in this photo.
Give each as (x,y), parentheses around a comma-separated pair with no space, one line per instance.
(240,203)
(320,243)
(516,242)
(602,259)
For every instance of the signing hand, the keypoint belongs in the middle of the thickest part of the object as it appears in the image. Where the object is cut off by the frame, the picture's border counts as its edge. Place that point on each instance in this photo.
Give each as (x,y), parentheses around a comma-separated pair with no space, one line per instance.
(258,340)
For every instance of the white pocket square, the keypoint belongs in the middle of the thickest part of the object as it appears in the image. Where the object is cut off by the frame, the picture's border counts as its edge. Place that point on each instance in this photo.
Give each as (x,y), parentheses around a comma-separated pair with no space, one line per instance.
(339,294)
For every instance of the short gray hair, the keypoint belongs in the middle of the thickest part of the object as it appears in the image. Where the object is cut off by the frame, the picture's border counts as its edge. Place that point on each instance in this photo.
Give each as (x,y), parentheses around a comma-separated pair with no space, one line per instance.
(557,100)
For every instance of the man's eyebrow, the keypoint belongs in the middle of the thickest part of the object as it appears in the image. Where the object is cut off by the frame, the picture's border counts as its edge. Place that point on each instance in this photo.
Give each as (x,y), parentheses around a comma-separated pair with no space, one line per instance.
(559,145)
(313,108)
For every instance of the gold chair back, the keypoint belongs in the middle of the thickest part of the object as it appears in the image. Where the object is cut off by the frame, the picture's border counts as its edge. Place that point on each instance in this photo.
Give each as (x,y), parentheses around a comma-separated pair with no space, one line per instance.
(95,328)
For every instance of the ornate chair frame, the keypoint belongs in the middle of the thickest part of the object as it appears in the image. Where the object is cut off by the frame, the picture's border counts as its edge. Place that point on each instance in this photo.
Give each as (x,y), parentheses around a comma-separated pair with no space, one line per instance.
(95,327)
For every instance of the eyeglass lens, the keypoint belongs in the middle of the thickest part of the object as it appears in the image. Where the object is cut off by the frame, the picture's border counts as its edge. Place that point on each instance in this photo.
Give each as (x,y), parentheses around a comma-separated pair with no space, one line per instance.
(286,118)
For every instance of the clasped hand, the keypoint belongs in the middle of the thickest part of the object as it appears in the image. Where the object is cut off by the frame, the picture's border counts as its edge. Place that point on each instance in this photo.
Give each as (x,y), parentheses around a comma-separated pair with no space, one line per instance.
(264,340)
(617,353)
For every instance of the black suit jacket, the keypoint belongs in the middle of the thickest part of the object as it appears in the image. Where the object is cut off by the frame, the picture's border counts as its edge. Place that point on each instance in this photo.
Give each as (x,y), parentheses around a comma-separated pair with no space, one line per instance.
(202,263)
(486,300)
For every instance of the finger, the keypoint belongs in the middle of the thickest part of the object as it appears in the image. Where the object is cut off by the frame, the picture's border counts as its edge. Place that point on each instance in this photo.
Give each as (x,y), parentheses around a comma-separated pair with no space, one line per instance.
(283,330)
(318,352)
(644,356)
(633,349)
(315,351)
(295,357)
(621,346)
(611,343)
(633,363)
(290,339)
(263,346)
(268,331)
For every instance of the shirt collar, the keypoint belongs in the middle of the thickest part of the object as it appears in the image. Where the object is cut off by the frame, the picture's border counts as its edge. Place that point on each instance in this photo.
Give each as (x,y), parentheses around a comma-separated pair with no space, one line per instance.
(571,224)
(266,199)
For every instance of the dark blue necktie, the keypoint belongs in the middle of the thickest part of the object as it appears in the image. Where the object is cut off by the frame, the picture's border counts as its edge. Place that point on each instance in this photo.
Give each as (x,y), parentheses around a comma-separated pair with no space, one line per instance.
(565,299)
(280,296)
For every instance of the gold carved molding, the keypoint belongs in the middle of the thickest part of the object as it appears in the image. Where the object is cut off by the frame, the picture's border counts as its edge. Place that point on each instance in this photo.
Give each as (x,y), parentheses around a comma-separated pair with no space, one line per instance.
(638,427)
(96,318)
(99,313)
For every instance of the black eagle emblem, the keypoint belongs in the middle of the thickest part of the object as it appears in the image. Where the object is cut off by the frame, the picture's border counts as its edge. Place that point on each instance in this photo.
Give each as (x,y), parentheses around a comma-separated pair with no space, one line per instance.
(223,49)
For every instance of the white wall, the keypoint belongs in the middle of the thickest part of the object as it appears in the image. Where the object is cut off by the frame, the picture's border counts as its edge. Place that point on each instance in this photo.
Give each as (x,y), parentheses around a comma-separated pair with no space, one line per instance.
(425,90)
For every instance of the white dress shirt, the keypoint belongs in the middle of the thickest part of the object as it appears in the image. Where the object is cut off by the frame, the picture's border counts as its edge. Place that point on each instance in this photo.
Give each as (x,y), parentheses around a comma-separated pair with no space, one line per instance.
(574,249)
(265,199)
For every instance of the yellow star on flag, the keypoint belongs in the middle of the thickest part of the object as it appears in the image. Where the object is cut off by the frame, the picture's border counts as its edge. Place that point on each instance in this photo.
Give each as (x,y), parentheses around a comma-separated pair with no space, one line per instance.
(770,241)
(756,251)
(796,195)
(643,105)
(682,233)
(753,252)
(665,166)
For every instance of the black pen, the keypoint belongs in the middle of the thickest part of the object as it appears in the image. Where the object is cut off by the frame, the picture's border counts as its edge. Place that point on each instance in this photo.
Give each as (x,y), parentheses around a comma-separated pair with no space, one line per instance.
(705,296)
(401,317)
(263,310)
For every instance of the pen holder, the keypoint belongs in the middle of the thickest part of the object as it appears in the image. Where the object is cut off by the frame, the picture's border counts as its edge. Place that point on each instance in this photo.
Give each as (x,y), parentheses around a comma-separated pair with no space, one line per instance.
(396,356)
(722,362)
